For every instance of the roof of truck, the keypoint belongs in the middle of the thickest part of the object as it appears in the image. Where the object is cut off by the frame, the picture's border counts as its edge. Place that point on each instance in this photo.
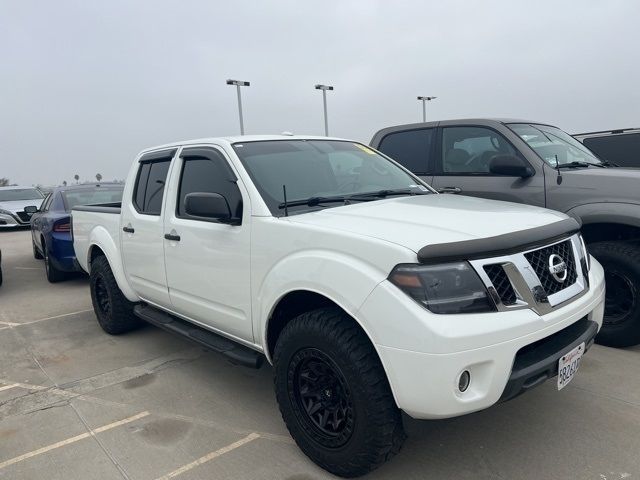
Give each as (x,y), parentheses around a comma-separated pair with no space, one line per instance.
(239,139)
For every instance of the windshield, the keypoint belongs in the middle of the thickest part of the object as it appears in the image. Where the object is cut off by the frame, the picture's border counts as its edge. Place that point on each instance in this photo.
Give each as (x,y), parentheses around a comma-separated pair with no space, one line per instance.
(551,143)
(15,194)
(320,168)
(73,198)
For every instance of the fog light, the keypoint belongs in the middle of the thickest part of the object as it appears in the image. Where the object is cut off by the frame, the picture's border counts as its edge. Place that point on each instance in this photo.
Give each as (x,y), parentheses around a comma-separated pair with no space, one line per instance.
(464,381)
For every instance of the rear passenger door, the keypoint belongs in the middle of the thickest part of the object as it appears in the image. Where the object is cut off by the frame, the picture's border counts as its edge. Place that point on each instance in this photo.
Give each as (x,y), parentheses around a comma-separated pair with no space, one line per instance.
(142,225)
(413,149)
(462,166)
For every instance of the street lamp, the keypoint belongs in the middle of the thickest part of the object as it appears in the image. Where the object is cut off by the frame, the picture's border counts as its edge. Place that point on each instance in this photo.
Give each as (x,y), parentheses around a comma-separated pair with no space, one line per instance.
(324,89)
(424,101)
(238,84)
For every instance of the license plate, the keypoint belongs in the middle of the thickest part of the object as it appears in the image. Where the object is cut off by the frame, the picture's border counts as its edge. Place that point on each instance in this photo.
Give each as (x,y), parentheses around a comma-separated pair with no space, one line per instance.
(568,365)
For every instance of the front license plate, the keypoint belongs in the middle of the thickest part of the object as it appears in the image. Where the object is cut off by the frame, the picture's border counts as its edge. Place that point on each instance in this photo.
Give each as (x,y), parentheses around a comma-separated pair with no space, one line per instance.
(568,365)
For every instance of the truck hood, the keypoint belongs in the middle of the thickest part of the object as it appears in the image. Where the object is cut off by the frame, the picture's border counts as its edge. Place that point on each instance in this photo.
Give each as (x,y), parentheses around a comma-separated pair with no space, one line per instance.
(18,205)
(421,220)
(593,185)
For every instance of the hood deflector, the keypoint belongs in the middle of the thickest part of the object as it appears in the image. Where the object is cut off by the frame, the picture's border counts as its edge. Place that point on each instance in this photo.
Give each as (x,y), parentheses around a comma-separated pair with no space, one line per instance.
(506,244)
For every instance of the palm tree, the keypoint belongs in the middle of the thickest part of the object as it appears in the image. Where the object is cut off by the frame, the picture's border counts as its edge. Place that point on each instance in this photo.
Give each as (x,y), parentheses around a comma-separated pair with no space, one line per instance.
(98,177)
(76,177)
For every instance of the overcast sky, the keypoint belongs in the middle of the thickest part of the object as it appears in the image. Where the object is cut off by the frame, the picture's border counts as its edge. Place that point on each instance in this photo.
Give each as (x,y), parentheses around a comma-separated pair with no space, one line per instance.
(85,85)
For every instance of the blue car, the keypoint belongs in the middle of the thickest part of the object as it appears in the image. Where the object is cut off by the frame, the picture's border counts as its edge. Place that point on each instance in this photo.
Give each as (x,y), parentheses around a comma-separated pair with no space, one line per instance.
(51,224)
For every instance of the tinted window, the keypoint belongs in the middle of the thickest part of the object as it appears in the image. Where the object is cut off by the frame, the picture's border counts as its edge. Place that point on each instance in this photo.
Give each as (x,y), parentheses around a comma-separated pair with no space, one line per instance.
(150,186)
(470,149)
(410,149)
(91,196)
(319,168)
(623,149)
(208,175)
(141,185)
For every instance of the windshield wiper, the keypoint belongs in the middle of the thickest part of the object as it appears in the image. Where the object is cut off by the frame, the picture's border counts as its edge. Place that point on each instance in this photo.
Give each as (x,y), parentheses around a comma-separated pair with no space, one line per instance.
(358,197)
(313,201)
(607,163)
(386,193)
(579,164)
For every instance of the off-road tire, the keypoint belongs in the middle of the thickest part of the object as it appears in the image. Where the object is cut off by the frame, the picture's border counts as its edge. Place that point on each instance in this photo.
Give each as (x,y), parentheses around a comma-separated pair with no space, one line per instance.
(376,430)
(52,273)
(36,253)
(113,311)
(621,263)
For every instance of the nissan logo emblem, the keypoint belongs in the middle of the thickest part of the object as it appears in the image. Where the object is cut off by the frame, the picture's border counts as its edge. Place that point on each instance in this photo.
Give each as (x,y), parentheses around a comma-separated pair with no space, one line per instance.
(557,268)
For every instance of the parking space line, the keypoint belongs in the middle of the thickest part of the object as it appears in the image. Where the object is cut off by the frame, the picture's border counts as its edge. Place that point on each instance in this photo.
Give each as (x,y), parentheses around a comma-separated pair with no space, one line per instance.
(210,456)
(56,316)
(68,441)
(7,387)
(10,324)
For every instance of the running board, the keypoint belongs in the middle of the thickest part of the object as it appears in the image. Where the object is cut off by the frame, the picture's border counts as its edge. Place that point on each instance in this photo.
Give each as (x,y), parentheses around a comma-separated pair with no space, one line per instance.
(236,353)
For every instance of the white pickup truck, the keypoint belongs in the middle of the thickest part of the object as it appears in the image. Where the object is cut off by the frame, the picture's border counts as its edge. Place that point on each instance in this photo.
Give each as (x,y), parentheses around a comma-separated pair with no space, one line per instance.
(368,292)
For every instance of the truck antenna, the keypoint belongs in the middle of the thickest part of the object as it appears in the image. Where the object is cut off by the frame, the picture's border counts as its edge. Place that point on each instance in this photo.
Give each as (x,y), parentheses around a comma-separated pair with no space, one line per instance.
(284,194)
(559,177)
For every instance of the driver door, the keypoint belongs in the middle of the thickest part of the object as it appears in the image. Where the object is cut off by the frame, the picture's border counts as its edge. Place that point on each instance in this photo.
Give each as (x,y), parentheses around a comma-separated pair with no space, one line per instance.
(462,166)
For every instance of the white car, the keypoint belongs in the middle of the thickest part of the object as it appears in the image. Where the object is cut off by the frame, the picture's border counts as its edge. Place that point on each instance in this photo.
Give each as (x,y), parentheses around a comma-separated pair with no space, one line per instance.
(368,292)
(13,201)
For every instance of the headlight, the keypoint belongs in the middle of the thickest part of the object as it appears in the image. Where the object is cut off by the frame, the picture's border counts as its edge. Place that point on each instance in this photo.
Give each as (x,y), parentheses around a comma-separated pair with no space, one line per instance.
(446,288)
(585,254)
(6,212)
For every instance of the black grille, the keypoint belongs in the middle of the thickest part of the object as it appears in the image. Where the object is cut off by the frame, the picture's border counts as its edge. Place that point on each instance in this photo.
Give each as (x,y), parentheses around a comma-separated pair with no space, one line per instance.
(539,260)
(501,282)
(24,217)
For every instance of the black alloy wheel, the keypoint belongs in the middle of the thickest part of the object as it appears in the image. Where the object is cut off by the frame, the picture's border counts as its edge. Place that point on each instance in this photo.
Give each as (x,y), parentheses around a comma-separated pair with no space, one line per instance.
(323,396)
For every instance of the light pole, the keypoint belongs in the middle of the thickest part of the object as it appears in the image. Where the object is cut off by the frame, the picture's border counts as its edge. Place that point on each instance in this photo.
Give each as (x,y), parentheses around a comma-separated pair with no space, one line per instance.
(324,89)
(238,84)
(424,101)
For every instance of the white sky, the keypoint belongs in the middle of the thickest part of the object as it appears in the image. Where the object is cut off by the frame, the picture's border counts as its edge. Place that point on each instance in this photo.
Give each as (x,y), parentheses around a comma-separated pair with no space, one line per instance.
(85,85)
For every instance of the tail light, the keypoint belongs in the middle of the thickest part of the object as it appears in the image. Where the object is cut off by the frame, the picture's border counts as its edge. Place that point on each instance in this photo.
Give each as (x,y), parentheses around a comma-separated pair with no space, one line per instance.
(62,227)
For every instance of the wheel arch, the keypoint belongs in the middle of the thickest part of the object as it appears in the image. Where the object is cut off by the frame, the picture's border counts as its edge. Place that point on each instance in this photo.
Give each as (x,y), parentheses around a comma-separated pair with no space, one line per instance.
(295,302)
(101,244)
(608,221)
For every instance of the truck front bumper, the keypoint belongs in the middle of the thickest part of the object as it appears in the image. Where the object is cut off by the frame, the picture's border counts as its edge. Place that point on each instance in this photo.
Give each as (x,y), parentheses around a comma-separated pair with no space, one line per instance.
(505,353)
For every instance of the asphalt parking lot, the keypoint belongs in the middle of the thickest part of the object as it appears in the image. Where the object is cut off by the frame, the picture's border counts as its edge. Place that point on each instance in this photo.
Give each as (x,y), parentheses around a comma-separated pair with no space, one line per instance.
(76,403)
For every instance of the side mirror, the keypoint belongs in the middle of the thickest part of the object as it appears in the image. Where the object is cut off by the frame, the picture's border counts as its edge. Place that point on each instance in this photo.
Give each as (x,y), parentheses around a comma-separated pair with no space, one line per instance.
(208,205)
(510,165)
(31,209)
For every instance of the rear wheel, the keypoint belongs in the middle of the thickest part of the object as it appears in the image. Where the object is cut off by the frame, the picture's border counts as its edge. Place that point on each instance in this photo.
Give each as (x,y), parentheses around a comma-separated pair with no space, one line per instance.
(621,263)
(334,395)
(53,274)
(113,310)
(36,253)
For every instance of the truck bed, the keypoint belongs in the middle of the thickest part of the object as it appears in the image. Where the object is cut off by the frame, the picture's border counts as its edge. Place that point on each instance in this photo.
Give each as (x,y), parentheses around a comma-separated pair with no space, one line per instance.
(94,221)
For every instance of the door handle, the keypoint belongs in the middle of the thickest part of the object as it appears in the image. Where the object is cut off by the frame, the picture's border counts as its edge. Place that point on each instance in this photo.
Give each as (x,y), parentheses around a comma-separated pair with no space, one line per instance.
(172,237)
(128,229)
(449,190)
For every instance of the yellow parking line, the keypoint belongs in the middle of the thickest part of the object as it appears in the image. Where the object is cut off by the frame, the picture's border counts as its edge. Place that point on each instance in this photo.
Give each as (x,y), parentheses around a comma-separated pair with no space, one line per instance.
(68,441)
(7,387)
(210,456)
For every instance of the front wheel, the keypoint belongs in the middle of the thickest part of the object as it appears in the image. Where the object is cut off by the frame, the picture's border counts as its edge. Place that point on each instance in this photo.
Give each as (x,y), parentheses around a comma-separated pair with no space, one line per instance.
(113,310)
(621,263)
(334,395)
